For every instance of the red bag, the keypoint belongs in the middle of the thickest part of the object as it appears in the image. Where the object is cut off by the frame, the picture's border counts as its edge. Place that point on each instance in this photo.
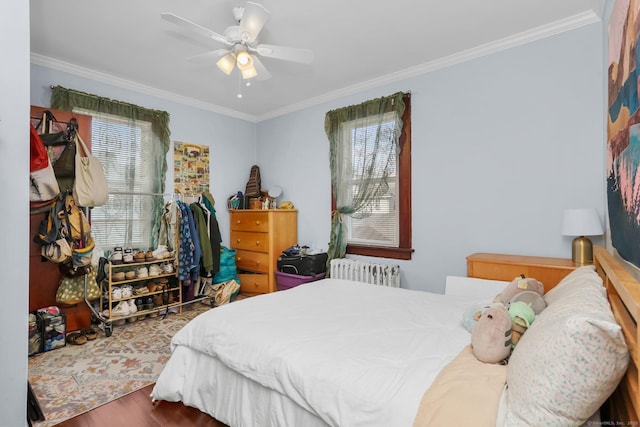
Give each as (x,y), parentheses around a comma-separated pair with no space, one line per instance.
(44,186)
(39,157)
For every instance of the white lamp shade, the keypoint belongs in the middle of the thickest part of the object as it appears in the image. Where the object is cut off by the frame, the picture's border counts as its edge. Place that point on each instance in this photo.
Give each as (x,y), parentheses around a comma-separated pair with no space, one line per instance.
(226,63)
(581,222)
(244,60)
(249,73)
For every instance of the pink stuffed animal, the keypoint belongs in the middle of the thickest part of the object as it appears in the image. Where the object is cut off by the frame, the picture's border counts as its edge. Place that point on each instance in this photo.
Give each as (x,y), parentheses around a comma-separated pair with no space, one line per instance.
(491,336)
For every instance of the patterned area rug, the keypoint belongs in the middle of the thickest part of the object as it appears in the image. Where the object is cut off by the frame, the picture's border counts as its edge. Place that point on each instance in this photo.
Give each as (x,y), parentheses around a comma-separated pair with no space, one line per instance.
(77,378)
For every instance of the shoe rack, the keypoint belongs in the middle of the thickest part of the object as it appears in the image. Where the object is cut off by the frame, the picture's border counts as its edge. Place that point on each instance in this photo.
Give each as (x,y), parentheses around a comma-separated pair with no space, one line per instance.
(163,290)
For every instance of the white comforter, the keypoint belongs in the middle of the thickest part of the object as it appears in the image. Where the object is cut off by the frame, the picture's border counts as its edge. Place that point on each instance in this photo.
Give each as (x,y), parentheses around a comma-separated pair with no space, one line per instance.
(353,354)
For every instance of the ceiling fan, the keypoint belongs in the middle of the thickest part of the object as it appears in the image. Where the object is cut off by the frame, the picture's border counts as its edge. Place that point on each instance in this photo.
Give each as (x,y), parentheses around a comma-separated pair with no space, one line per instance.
(243,46)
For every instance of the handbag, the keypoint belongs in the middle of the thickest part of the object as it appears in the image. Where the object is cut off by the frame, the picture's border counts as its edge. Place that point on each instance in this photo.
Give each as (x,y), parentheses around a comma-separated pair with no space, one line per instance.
(64,163)
(90,186)
(74,222)
(44,186)
(71,289)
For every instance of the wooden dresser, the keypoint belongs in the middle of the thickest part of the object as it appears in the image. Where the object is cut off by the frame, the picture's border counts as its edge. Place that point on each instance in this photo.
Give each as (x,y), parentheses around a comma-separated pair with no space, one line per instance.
(547,270)
(260,236)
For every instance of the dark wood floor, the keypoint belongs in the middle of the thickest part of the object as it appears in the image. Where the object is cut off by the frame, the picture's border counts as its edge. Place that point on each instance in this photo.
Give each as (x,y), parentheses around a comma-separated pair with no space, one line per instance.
(137,410)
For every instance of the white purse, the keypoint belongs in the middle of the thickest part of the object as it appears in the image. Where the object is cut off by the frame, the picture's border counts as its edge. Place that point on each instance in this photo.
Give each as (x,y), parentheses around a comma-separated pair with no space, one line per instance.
(90,184)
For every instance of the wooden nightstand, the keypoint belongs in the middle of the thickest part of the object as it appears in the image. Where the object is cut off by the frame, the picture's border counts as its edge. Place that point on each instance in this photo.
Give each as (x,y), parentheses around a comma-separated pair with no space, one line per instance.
(549,271)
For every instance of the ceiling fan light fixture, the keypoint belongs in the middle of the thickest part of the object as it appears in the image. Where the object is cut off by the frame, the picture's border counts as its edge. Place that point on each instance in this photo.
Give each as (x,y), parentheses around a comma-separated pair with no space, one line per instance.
(226,63)
(249,73)
(244,60)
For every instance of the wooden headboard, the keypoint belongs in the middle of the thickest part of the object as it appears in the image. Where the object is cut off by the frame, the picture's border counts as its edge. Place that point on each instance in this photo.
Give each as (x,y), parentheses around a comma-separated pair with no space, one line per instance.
(624,296)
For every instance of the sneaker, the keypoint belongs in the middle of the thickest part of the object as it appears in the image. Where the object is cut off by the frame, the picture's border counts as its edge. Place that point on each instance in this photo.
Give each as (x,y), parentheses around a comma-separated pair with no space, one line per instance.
(127,257)
(118,276)
(167,267)
(148,256)
(116,292)
(142,272)
(132,306)
(127,291)
(154,270)
(161,252)
(116,256)
(129,275)
(140,289)
(122,309)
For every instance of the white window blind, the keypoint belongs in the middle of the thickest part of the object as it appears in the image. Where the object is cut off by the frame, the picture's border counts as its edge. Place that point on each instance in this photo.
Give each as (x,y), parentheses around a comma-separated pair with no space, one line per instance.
(378,223)
(125,148)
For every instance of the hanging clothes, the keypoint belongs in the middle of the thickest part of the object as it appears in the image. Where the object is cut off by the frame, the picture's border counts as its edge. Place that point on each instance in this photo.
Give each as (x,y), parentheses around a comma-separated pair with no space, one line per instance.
(169,234)
(215,238)
(189,252)
(206,260)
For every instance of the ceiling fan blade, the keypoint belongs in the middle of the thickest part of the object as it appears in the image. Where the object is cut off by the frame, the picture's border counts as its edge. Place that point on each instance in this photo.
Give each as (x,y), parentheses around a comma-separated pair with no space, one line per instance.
(175,19)
(304,56)
(212,54)
(253,19)
(263,74)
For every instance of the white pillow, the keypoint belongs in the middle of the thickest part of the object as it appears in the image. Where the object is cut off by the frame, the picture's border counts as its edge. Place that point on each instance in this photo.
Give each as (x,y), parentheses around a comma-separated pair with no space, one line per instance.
(575,282)
(570,359)
(481,289)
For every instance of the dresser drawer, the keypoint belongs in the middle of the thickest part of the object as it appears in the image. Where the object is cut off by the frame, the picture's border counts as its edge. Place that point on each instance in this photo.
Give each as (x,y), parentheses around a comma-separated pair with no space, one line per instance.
(254,283)
(254,261)
(250,221)
(250,241)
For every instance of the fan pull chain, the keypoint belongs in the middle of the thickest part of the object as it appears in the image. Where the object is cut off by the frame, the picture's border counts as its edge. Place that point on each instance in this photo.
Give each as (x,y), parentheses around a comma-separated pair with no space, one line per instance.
(239,95)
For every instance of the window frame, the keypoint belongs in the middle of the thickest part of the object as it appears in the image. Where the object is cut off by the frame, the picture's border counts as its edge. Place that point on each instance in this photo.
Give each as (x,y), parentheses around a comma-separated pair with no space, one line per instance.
(404,250)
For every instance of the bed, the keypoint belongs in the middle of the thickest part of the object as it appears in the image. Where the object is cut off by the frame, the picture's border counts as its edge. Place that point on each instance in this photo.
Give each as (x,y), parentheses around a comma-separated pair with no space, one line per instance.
(343,353)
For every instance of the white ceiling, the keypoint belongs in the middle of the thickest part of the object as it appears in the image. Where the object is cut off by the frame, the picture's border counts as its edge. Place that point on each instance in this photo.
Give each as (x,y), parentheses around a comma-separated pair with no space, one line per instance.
(357,44)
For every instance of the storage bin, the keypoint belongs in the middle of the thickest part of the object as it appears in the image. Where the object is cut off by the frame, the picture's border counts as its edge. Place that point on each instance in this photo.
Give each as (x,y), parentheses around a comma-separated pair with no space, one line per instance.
(53,328)
(287,281)
(35,336)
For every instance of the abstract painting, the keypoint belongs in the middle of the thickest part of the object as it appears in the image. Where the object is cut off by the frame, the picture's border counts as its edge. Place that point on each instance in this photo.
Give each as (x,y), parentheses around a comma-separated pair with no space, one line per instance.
(623,130)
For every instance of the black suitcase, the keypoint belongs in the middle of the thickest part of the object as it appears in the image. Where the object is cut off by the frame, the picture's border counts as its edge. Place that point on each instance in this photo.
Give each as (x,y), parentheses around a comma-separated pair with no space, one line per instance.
(303,265)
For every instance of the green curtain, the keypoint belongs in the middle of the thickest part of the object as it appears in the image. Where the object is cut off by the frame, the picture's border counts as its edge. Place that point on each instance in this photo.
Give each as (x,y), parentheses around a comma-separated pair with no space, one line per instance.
(371,183)
(68,99)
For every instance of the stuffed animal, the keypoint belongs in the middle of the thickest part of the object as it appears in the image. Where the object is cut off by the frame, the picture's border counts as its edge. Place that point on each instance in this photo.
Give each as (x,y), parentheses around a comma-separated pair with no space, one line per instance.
(522,316)
(532,299)
(518,285)
(491,336)
(472,314)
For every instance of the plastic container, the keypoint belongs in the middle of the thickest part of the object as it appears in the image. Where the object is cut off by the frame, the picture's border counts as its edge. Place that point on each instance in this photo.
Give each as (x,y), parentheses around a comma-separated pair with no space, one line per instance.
(287,281)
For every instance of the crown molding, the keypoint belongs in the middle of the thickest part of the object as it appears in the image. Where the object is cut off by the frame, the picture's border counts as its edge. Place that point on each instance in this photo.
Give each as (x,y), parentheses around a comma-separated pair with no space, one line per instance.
(537,33)
(75,70)
(548,30)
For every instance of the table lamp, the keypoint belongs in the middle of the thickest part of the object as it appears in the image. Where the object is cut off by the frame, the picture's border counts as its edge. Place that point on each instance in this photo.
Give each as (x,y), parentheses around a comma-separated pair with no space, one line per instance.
(581,223)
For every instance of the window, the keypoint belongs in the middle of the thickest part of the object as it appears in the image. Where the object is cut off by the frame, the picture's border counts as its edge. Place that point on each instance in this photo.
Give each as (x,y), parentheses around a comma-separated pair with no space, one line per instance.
(126,150)
(381,226)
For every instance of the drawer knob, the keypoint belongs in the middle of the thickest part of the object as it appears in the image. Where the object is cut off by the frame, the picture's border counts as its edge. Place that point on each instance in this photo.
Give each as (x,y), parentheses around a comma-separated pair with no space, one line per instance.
(237,221)
(237,240)
(257,222)
(257,262)
(257,242)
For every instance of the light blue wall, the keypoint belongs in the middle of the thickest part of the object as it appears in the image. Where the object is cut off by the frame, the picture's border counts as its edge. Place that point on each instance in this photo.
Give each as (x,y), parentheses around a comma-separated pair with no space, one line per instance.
(501,146)
(14,250)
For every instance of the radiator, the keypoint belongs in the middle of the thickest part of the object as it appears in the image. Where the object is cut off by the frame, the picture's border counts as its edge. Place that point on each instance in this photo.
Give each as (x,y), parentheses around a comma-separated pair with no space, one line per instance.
(360,271)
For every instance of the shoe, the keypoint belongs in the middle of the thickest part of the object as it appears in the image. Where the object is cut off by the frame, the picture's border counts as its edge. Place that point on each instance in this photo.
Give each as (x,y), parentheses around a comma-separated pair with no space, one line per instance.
(148,256)
(122,309)
(139,257)
(127,291)
(116,256)
(140,289)
(118,276)
(76,338)
(154,270)
(129,275)
(161,252)
(116,292)
(167,268)
(142,272)
(90,333)
(132,306)
(127,257)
